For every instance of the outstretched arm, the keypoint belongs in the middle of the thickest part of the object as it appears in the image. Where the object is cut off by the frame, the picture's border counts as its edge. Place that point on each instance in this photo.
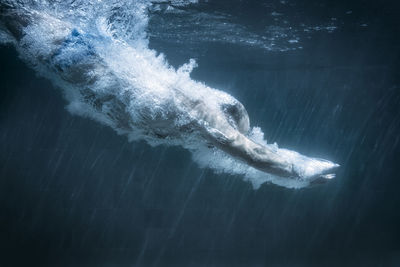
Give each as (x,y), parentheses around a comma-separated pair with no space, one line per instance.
(280,162)
(226,128)
(258,156)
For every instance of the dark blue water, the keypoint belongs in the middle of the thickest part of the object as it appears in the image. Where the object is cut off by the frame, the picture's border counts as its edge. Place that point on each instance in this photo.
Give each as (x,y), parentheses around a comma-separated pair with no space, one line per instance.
(73,192)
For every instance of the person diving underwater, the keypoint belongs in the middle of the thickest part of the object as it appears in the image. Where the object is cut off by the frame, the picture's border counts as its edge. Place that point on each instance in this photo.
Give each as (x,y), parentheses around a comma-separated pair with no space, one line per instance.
(132,89)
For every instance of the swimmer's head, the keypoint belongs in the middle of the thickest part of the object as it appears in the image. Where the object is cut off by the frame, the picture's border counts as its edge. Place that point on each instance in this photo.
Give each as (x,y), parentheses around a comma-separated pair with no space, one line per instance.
(237,116)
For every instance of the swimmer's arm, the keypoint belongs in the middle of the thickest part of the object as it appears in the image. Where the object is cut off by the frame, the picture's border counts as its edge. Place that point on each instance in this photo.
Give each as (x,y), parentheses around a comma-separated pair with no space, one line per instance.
(258,156)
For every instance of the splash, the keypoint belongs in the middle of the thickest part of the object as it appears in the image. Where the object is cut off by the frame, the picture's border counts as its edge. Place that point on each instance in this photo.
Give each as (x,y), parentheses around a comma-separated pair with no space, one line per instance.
(97,53)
